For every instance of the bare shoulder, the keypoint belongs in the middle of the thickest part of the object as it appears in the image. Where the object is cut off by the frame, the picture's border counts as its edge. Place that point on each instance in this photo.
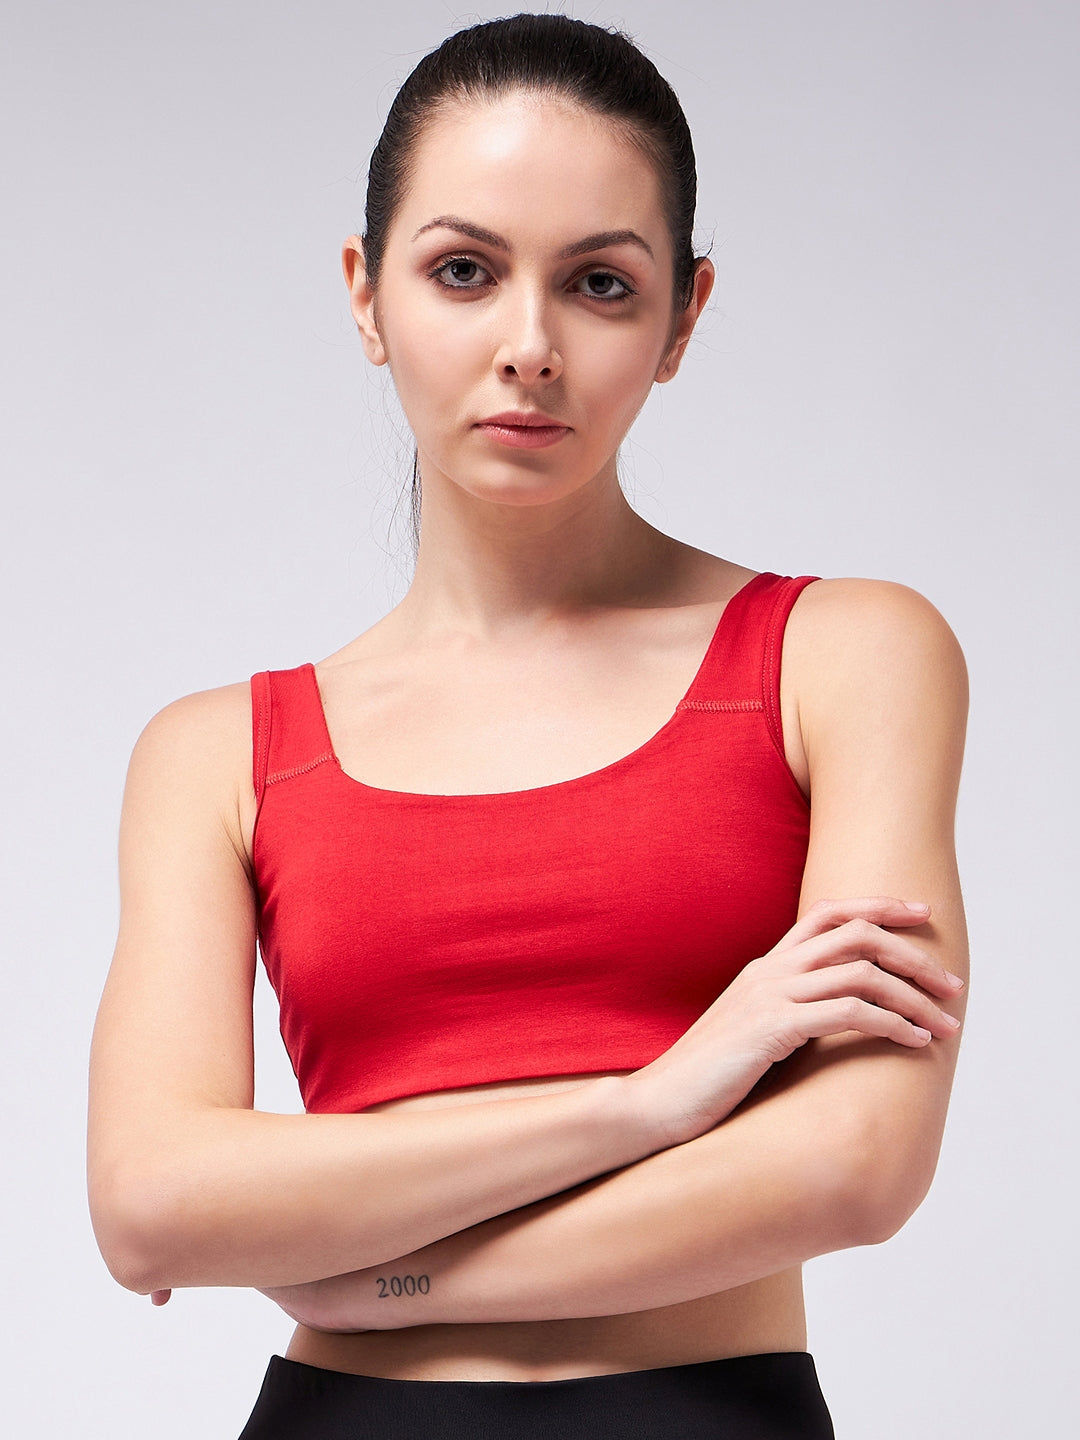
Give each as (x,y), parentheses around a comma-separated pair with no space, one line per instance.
(207,731)
(196,754)
(871,665)
(208,720)
(842,630)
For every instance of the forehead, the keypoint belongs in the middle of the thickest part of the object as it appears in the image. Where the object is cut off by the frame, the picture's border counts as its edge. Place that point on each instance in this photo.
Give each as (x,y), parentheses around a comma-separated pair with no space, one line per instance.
(535,168)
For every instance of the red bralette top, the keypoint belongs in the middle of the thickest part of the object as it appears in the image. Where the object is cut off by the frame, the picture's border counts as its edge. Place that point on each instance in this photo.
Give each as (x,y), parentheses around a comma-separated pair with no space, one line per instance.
(424,942)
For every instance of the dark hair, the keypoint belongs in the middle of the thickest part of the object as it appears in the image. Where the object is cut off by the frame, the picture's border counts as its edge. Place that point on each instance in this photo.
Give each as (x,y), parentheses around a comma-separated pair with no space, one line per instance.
(601,70)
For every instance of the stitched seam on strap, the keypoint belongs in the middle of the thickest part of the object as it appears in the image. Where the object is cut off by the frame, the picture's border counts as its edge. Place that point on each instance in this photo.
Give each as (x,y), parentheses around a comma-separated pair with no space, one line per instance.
(773,643)
(263,721)
(298,769)
(730,705)
(768,651)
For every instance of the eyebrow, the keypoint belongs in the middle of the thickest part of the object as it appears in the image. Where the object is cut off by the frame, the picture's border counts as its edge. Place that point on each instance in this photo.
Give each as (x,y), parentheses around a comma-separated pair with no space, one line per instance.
(598,241)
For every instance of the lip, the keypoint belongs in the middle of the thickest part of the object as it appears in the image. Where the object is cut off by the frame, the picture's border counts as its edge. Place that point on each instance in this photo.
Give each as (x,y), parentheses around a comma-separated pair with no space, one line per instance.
(523,429)
(525,420)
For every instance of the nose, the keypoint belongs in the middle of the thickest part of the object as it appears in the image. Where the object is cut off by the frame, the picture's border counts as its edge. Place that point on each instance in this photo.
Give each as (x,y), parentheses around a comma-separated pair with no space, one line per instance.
(527,349)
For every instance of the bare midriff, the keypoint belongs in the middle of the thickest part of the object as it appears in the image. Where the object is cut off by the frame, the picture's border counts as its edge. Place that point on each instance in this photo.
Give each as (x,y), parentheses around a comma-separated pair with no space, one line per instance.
(761,1317)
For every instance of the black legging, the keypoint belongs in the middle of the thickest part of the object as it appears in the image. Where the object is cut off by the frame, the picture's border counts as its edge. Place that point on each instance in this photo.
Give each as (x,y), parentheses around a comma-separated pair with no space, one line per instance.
(748,1397)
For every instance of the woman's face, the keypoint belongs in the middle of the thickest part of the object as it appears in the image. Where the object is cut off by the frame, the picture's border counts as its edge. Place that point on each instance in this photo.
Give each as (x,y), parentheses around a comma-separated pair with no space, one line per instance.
(527,277)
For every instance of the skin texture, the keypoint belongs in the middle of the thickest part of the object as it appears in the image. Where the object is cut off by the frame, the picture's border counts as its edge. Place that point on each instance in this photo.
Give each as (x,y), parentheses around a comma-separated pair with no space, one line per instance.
(567,1225)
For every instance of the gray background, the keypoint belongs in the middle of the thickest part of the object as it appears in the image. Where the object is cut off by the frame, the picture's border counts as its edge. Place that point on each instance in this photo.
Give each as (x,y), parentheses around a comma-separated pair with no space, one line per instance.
(200,473)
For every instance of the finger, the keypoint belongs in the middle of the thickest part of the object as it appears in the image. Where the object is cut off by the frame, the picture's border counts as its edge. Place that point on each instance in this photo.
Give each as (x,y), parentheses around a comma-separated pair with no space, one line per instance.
(865,981)
(827,915)
(159,1297)
(859,939)
(834,1017)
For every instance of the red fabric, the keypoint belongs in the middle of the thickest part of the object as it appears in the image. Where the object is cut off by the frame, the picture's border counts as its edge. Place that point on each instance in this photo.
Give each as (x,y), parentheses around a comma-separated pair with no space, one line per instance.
(423,942)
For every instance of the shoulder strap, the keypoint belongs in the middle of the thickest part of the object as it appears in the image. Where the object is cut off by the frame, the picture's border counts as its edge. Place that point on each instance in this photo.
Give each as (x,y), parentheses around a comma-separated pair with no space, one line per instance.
(741,670)
(289,727)
(774,642)
(260,731)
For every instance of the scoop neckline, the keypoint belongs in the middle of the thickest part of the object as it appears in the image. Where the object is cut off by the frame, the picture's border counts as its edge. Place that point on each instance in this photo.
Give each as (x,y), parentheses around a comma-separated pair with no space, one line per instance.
(589,775)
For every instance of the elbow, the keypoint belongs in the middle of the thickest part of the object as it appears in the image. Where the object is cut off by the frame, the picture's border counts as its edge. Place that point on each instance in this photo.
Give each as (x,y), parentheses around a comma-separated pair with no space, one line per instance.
(134,1225)
(883,1184)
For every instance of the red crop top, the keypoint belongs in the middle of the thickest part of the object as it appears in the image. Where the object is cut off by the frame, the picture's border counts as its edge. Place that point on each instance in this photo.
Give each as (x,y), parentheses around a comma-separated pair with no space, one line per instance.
(424,942)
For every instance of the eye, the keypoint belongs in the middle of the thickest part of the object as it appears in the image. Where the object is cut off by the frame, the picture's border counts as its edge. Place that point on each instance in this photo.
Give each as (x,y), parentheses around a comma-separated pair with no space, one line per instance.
(460,273)
(602,285)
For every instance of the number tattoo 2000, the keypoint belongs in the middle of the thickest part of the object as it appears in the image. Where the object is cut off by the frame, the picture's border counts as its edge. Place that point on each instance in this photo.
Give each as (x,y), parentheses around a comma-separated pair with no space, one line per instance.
(402,1285)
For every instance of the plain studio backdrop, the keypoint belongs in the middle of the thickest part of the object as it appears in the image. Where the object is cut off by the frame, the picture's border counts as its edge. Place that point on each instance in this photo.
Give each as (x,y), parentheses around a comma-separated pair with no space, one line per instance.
(200,474)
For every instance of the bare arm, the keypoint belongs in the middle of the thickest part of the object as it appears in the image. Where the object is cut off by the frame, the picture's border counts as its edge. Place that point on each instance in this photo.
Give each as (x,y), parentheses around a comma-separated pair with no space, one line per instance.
(188,1184)
(191,1186)
(839,1145)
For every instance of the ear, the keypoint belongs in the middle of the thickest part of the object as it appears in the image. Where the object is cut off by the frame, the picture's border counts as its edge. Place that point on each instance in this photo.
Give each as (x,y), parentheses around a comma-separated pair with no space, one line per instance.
(704,278)
(362,299)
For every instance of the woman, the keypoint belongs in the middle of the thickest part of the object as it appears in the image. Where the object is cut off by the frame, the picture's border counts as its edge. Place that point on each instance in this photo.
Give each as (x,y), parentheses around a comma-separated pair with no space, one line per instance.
(601,1030)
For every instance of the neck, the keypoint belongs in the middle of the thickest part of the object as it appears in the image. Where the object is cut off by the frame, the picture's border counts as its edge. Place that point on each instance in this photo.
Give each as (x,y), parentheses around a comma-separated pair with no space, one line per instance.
(487,566)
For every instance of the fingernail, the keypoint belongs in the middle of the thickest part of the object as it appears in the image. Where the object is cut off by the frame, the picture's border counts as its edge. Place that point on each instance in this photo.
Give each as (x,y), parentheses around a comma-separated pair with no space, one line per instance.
(954,979)
(916,905)
(921,1033)
(951,1020)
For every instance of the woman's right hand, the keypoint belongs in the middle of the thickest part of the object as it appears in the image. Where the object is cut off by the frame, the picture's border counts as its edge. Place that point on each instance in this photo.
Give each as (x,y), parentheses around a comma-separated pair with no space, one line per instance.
(837,969)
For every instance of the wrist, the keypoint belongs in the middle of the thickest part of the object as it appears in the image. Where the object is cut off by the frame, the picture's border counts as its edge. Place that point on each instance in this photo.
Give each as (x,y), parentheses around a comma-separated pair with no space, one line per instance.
(665,1115)
(629,1118)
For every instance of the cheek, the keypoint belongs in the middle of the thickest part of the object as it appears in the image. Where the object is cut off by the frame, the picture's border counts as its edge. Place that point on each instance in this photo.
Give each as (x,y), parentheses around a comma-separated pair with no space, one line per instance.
(617,374)
(432,363)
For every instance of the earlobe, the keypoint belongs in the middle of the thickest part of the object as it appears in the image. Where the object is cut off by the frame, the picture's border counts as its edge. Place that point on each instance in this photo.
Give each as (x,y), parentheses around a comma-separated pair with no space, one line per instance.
(670,365)
(362,299)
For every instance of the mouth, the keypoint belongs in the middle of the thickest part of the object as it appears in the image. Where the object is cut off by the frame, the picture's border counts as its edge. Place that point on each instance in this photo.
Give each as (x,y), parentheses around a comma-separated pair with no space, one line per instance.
(523,429)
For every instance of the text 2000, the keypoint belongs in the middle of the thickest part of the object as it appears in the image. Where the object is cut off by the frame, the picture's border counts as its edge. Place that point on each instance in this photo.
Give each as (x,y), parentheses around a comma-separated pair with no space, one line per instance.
(402,1285)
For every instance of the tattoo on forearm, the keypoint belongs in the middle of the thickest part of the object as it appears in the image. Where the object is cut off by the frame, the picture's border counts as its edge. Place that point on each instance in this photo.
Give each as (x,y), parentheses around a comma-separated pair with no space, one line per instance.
(402,1285)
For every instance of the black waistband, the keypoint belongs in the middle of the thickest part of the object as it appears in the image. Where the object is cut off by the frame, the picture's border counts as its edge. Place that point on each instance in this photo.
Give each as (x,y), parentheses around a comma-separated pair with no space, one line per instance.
(746,1397)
